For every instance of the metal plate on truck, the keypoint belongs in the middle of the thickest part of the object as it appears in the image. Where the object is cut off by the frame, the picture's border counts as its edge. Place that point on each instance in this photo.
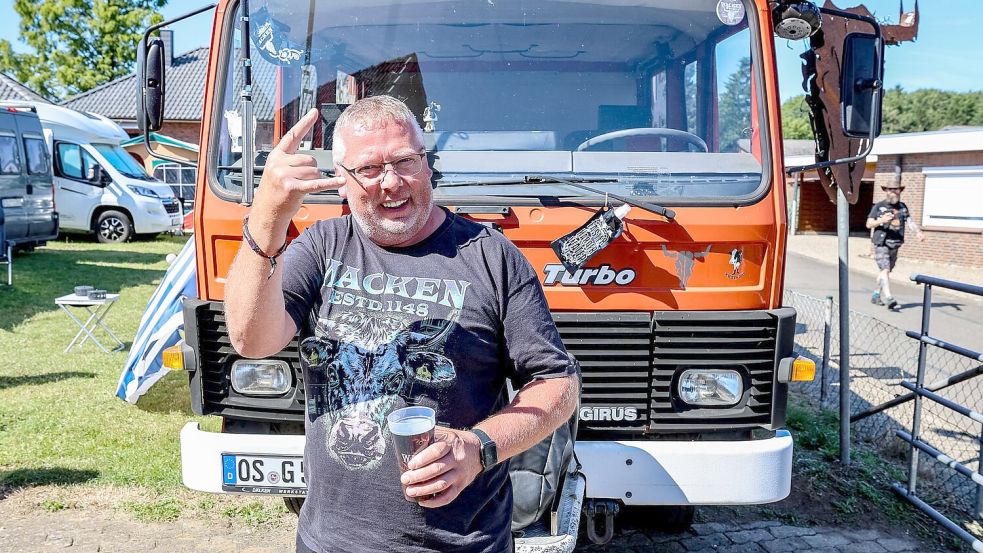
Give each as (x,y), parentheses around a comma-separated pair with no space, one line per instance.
(263,474)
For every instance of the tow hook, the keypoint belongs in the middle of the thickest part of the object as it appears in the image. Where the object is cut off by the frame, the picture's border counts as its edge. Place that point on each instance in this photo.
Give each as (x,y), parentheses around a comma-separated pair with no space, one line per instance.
(601,512)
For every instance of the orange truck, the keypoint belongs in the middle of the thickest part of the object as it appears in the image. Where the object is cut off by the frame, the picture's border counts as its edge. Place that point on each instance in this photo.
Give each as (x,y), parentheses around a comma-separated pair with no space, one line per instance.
(537,115)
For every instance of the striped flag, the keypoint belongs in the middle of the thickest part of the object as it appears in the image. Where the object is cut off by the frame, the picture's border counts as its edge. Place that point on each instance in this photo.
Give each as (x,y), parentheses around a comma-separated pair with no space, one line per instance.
(160,327)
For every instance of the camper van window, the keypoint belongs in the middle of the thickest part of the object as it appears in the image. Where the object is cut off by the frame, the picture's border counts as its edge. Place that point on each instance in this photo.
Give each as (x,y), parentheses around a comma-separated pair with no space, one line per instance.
(122,161)
(9,158)
(73,162)
(37,157)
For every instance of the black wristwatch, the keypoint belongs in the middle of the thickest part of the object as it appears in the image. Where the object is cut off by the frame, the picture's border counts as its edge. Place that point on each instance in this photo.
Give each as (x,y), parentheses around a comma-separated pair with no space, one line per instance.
(489,451)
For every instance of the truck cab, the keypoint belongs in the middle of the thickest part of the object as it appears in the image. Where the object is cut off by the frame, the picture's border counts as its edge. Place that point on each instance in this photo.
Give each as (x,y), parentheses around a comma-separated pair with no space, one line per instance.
(536,116)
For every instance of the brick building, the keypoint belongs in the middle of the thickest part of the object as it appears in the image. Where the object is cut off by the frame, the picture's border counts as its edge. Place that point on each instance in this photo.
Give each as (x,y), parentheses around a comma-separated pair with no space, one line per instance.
(942,173)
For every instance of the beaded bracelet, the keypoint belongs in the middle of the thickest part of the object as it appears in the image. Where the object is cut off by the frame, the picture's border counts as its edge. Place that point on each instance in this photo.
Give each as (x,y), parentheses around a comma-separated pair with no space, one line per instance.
(259,251)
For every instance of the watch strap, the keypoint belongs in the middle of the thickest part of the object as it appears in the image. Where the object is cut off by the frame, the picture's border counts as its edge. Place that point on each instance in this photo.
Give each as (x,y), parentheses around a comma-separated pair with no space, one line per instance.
(489,451)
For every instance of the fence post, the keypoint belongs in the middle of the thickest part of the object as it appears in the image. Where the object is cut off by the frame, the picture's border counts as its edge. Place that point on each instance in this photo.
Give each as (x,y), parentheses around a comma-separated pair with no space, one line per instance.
(916,419)
(979,490)
(827,336)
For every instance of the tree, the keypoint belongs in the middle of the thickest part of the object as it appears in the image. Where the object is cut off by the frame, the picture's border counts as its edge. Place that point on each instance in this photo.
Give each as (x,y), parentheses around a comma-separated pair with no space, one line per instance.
(735,107)
(795,119)
(78,44)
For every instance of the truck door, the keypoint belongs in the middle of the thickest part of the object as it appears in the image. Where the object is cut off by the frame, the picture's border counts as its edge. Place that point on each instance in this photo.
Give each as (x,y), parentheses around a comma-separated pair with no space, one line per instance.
(76,196)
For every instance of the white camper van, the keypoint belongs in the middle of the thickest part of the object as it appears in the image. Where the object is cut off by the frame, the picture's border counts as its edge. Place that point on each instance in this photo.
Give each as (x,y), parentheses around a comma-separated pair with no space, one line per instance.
(99,187)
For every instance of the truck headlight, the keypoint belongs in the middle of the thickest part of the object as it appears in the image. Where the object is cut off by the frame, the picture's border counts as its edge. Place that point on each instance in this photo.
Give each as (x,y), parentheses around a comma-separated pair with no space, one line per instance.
(713,387)
(260,377)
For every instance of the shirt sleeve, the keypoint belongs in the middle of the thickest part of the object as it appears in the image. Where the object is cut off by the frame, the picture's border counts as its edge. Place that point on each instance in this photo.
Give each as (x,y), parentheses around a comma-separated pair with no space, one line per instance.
(873,212)
(303,269)
(532,341)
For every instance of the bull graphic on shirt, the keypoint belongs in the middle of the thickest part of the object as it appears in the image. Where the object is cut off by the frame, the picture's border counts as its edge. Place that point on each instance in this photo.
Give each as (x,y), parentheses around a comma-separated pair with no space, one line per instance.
(357,367)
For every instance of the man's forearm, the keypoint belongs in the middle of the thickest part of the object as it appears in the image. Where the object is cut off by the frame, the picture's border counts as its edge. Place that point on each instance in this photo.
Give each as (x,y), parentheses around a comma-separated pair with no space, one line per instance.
(254,309)
(537,410)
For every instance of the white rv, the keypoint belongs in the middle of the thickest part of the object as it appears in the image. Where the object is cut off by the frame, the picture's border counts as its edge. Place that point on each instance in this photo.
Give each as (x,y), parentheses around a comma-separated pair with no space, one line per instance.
(99,187)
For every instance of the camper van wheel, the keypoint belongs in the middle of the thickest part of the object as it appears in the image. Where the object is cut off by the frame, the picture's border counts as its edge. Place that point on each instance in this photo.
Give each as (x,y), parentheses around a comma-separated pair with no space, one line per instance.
(113,227)
(294,504)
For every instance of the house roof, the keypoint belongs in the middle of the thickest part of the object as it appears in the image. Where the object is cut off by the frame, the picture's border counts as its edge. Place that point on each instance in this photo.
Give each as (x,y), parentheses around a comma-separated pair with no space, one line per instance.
(957,139)
(185,92)
(10,89)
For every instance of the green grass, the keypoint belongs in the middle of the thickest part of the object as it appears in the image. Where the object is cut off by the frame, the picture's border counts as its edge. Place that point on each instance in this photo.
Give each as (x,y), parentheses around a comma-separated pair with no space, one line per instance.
(164,510)
(255,513)
(60,421)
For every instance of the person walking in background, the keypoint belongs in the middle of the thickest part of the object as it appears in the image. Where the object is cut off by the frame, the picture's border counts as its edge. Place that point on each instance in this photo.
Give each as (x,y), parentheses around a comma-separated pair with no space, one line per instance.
(888,219)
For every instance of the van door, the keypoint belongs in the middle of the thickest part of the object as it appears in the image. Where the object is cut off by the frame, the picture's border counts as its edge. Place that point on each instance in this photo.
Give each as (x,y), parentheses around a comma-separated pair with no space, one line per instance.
(38,199)
(12,182)
(75,195)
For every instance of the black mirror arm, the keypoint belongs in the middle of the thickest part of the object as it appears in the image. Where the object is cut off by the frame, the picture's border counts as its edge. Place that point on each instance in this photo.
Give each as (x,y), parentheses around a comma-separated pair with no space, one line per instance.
(144,44)
(877,85)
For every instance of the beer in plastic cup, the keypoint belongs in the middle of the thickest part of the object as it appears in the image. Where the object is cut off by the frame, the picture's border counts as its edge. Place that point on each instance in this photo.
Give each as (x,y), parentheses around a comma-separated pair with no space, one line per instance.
(412,430)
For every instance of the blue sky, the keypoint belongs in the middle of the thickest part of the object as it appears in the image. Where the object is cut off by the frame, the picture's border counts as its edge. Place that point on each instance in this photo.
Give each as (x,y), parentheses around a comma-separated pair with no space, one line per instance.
(946,54)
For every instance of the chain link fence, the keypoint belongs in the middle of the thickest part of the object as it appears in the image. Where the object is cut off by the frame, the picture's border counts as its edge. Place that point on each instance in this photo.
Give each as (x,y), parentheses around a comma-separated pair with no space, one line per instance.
(881,357)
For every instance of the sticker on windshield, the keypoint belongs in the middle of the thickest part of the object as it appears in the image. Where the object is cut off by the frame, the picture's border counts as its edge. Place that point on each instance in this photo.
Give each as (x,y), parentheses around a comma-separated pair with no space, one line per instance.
(270,38)
(730,12)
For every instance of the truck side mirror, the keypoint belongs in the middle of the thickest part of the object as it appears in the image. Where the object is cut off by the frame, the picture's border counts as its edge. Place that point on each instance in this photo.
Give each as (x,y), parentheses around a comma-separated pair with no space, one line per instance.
(860,88)
(152,83)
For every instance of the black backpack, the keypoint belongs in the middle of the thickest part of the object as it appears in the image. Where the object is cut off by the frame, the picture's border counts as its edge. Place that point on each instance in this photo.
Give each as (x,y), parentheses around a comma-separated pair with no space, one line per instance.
(537,474)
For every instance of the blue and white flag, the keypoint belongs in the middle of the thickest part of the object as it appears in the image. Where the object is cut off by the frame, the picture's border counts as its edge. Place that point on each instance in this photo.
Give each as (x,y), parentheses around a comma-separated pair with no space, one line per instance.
(160,327)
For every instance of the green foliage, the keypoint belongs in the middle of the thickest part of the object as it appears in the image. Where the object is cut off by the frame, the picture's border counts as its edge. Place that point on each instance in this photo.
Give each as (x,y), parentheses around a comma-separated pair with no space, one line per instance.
(254,513)
(735,107)
(795,119)
(166,509)
(77,44)
(903,112)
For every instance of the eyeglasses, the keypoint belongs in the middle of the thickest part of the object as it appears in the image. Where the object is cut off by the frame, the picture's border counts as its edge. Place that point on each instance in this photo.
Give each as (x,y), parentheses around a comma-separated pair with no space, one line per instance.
(892,188)
(374,173)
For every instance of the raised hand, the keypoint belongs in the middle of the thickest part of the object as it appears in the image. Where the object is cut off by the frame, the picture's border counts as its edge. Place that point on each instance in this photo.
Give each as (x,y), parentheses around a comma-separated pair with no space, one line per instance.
(289,176)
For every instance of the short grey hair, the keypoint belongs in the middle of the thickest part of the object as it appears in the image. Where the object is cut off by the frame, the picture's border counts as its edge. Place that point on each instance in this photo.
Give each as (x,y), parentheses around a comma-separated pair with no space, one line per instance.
(370,113)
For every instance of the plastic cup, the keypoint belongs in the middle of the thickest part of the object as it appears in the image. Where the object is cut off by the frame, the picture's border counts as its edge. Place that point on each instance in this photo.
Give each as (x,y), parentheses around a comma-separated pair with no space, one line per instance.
(412,429)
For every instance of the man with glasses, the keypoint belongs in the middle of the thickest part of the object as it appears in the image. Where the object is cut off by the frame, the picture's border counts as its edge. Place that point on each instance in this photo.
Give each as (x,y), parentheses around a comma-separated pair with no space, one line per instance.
(887,221)
(400,303)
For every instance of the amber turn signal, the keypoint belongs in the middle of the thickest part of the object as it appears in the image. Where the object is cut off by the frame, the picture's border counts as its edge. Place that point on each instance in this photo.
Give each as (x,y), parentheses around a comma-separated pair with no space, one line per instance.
(803,370)
(173,357)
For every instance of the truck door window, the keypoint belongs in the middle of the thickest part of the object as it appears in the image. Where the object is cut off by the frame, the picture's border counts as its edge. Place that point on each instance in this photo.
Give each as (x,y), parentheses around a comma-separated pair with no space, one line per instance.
(9,157)
(37,156)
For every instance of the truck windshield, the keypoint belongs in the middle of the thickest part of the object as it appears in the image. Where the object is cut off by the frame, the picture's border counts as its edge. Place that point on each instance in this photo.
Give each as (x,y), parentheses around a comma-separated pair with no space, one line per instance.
(122,161)
(652,98)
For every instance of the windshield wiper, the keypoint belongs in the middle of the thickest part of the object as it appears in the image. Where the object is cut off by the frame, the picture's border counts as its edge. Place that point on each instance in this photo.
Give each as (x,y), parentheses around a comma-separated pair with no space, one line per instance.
(576,182)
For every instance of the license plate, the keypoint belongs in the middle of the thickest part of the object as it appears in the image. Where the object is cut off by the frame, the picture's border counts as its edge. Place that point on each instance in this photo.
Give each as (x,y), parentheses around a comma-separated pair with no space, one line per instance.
(265,474)
(175,220)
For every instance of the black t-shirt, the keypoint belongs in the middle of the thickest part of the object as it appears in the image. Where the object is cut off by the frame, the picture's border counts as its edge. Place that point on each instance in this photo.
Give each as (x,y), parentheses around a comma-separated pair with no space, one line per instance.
(890,234)
(441,323)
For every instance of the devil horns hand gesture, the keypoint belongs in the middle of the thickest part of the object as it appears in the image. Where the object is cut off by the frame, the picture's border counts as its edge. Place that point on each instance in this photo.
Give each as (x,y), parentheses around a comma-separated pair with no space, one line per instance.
(287,178)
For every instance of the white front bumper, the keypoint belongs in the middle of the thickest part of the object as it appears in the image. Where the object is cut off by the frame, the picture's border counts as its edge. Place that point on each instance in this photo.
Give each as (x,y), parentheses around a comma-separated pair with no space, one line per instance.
(689,473)
(201,453)
(660,472)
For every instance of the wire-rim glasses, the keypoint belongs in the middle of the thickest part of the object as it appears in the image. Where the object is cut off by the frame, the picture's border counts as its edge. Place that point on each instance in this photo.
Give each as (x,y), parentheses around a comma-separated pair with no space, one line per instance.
(374,173)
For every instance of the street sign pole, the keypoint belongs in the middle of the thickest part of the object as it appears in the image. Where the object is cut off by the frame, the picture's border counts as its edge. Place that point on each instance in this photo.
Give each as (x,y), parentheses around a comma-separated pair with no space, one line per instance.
(842,234)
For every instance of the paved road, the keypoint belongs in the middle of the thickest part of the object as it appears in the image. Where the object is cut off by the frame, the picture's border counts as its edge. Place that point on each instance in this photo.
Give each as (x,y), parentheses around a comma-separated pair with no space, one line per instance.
(105,532)
(955,318)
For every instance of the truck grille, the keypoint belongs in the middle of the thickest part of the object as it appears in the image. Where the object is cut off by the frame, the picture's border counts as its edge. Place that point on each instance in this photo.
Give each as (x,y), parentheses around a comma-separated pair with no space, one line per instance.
(630,363)
(215,358)
(171,206)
